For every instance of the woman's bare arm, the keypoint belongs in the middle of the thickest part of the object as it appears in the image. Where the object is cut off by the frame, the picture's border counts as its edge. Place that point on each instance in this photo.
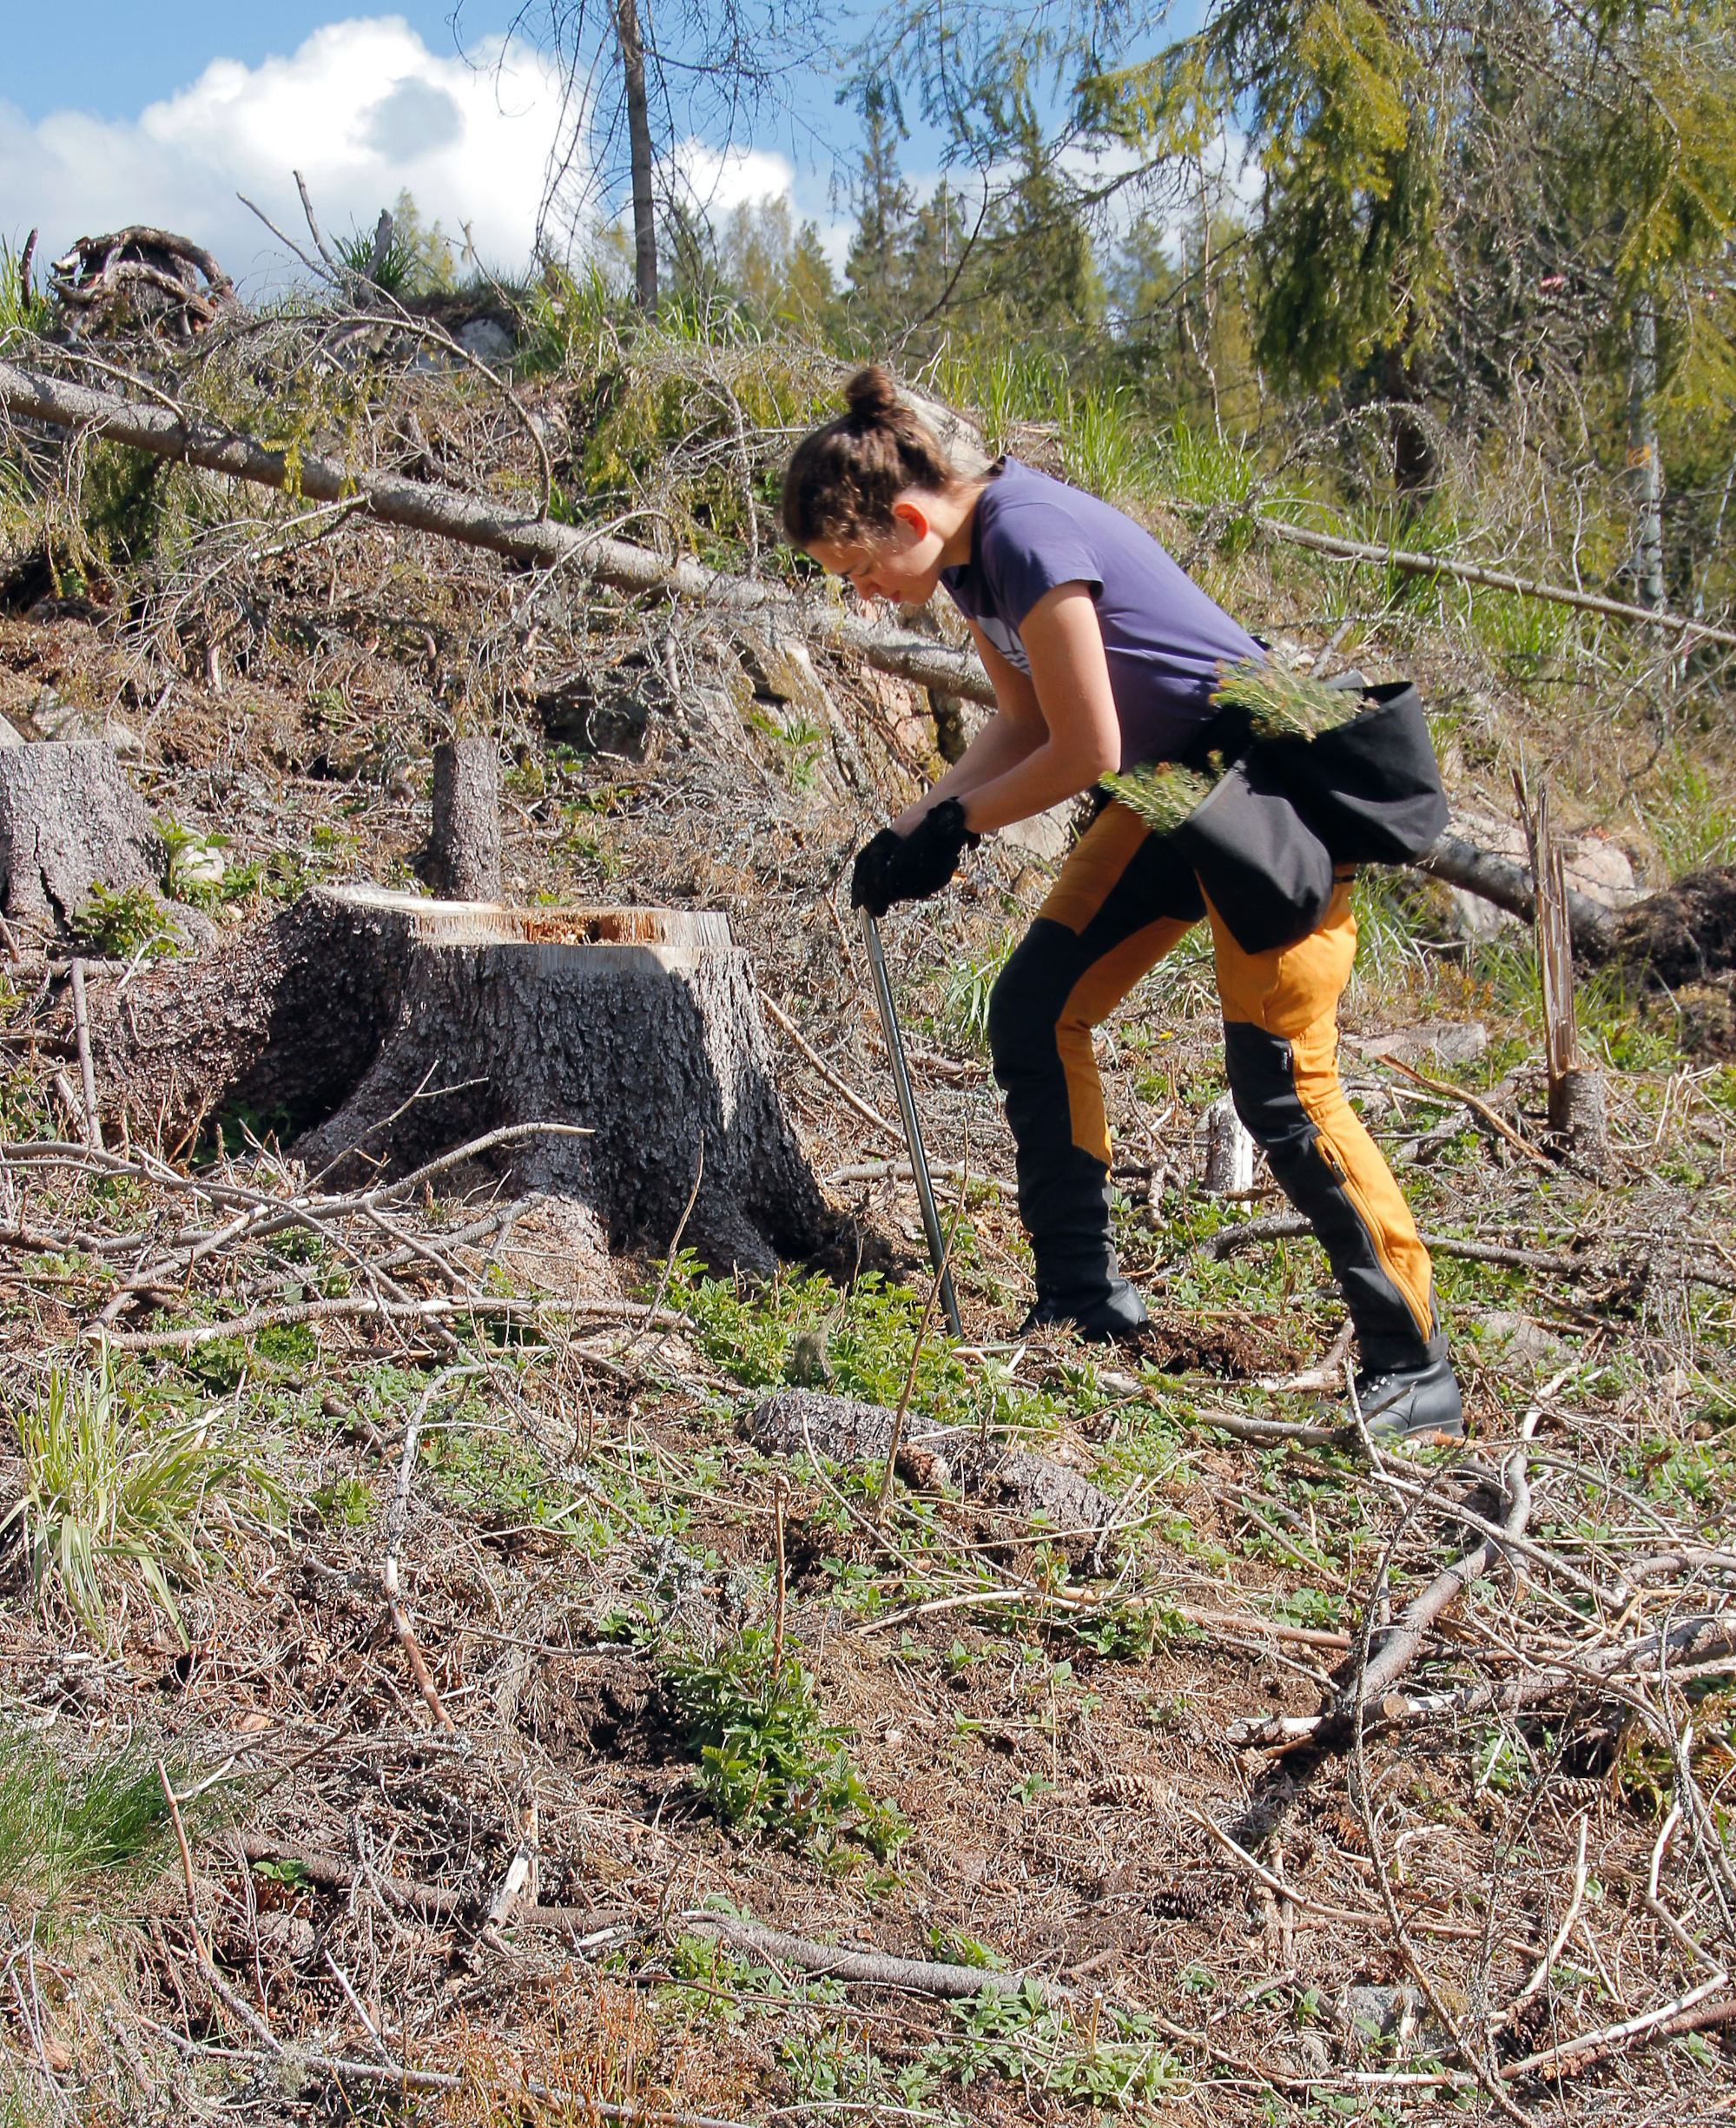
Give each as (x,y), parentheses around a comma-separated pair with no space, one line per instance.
(1027,767)
(1015,731)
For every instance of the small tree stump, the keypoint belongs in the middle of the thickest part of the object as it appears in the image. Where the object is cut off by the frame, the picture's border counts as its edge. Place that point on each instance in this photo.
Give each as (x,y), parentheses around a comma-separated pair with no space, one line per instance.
(1579,1120)
(1229,1150)
(464,851)
(69,819)
(387,1029)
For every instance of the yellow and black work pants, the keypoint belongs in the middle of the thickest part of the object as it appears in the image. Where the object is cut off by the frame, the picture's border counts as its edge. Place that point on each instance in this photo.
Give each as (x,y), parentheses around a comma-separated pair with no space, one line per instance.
(1124,898)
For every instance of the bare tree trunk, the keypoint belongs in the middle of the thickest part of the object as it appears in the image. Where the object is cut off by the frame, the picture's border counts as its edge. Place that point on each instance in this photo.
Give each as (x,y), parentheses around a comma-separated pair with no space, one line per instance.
(1644,463)
(639,148)
(70,820)
(464,853)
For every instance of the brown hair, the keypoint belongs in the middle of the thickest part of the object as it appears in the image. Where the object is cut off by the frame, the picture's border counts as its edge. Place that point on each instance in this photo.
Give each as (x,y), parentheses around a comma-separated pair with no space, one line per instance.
(842,479)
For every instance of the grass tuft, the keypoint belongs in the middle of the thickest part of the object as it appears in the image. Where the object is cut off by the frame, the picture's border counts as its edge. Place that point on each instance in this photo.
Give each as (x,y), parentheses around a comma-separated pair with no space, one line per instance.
(62,1826)
(120,1495)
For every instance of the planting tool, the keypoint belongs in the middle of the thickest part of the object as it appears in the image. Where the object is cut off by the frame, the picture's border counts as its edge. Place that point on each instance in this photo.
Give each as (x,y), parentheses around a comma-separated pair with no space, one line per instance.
(913,1129)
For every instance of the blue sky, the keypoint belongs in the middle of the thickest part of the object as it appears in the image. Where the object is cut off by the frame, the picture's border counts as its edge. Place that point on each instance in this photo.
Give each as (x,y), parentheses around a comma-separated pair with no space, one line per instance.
(126,56)
(163,113)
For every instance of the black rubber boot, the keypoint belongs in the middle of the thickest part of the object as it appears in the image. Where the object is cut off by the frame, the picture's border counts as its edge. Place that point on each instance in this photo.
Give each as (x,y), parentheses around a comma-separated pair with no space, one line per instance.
(1413,1405)
(1112,1319)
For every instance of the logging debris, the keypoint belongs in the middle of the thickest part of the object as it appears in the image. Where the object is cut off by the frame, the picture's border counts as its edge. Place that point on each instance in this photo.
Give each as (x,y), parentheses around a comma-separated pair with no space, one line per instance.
(1126,1791)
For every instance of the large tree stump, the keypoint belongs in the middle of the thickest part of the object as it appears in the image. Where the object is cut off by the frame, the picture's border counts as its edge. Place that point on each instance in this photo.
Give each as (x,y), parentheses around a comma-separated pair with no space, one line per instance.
(383,1029)
(69,820)
(464,850)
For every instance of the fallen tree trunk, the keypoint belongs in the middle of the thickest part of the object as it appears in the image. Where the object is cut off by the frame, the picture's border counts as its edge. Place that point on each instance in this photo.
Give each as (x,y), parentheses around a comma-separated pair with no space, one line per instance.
(476,522)
(1509,886)
(377,1029)
(1659,936)
(1410,563)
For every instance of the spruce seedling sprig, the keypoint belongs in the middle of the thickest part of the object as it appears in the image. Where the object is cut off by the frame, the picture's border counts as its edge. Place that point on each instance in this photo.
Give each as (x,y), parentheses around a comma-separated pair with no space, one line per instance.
(1162,793)
(1281,703)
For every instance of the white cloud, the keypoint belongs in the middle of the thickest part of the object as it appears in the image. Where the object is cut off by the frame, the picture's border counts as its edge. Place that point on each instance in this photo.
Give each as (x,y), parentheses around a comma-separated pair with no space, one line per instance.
(716,181)
(361,109)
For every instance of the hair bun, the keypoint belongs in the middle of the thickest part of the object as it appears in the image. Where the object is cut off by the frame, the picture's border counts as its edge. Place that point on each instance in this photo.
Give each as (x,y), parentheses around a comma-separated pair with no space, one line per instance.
(871,394)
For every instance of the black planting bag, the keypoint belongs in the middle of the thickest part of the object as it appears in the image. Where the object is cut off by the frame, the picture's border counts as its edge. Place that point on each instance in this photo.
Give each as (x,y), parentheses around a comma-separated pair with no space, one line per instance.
(1266,871)
(1371,788)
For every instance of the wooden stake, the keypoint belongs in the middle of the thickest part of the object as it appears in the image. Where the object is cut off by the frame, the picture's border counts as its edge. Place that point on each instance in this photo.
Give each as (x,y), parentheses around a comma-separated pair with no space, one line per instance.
(81,1025)
(1229,1150)
(780,1502)
(1577,1119)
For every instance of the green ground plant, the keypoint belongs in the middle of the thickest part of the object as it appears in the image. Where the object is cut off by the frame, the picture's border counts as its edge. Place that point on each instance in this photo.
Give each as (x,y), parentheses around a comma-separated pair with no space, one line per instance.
(770,1765)
(63,1825)
(114,925)
(1101,2055)
(123,1493)
(868,1330)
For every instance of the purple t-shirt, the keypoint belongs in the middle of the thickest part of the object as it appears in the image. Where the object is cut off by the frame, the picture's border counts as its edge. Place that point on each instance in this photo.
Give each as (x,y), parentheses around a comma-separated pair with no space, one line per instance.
(1165,639)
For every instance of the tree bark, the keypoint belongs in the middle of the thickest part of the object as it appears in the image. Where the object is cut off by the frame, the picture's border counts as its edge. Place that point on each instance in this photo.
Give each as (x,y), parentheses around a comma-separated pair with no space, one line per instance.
(464,853)
(384,1030)
(1645,465)
(632,47)
(1229,1150)
(69,820)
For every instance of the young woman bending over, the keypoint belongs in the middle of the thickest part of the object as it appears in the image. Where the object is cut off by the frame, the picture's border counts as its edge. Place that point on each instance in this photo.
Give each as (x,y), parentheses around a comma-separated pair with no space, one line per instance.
(1104,654)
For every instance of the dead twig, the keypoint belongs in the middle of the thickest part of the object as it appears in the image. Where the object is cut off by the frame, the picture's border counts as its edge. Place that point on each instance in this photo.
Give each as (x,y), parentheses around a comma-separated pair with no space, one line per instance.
(871,1968)
(1498,1124)
(838,1086)
(396,1518)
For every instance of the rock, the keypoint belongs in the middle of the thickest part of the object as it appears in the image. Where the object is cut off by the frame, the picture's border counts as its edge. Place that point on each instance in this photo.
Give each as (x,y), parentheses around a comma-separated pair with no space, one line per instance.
(1400,2016)
(1441,1042)
(192,927)
(57,720)
(1048,835)
(1510,1339)
(1381,2013)
(196,863)
(1595,867)
(487,339)
(69,820)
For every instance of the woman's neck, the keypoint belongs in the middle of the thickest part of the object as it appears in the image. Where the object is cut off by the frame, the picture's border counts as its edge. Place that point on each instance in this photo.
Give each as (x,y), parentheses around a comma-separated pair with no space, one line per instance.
(954,516)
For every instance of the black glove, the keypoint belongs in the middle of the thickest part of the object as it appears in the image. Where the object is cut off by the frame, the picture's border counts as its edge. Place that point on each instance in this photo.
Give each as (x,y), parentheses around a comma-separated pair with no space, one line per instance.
(927,858)
(909,868)
(868,874)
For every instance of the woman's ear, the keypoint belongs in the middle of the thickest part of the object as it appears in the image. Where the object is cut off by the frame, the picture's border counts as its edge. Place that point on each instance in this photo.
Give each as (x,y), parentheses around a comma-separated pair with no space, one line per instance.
(914,515)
